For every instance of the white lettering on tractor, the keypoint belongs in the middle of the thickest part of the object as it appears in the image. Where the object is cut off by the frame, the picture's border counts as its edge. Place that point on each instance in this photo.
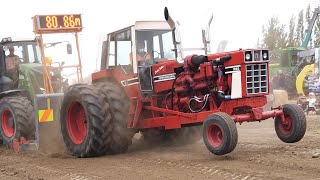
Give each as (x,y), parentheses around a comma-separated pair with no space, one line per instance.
(159,69)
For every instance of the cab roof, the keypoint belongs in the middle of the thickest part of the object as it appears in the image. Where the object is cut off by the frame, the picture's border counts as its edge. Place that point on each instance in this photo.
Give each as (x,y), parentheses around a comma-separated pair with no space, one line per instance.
(5,40)
(147,25)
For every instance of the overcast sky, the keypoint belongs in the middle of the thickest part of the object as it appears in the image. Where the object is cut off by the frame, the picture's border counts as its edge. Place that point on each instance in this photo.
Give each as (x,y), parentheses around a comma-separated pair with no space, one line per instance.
(238,22)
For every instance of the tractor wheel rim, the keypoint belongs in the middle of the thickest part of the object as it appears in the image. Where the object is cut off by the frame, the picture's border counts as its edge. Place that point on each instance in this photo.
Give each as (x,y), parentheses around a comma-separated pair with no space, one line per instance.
(286,127)
(215,135)
(8,126)
(76,122)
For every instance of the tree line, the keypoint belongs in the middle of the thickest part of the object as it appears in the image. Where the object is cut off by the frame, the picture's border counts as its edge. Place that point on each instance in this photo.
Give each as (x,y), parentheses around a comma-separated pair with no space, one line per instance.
(276,36)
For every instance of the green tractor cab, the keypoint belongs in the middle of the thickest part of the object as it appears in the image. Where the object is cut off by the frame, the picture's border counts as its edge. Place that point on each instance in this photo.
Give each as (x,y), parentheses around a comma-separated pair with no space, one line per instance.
(20,62)
(288,60)
(28,71)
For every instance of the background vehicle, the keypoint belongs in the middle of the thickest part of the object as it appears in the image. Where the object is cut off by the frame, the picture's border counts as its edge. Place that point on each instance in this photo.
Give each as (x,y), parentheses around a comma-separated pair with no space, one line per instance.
(293,60)
(20,105)
(16,105)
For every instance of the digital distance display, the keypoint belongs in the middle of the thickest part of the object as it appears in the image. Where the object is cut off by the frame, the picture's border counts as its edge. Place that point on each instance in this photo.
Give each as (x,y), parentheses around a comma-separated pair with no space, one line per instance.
(58,23)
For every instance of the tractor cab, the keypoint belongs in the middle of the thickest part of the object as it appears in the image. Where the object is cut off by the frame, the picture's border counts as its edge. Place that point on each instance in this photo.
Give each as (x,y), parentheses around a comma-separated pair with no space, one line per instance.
(142,44)
(22,63)
(138,50)
(288,57)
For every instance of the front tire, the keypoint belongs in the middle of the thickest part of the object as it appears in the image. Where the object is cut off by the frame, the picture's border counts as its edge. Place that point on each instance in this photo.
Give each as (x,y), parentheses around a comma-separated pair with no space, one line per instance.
(294,127)
(220,133)
(17,119)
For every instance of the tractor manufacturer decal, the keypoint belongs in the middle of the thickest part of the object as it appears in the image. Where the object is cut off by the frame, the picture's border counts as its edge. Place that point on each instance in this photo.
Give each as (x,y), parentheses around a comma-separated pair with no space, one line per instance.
(158,70)
(165,77)
(232,69)
(47,114)
(129,82)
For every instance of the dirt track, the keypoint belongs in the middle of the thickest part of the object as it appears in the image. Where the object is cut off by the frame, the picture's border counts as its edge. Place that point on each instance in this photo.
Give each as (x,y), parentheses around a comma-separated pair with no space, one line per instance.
(258,155)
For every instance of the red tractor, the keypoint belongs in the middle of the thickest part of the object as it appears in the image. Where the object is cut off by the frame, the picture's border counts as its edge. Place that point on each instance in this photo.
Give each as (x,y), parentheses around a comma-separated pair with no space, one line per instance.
(170,98)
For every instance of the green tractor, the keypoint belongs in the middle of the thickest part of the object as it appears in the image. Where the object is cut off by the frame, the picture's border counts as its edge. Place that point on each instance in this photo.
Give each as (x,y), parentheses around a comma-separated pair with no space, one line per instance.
(288,59)
(285,72)
(292,61)
(18,87)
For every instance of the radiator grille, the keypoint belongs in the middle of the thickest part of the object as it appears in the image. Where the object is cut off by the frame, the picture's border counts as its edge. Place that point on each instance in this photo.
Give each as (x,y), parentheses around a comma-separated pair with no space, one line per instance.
(257,78)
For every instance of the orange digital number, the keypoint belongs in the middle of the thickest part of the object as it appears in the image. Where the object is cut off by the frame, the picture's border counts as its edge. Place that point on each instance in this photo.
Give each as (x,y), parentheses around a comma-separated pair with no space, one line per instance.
(66,21)
(71,21)
(48,22)
(54,21)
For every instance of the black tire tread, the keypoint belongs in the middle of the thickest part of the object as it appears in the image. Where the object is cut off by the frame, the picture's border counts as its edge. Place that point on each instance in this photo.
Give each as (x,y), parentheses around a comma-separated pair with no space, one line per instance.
(23,112)
(99,121)
(121,136)
(300,120)
(231,125)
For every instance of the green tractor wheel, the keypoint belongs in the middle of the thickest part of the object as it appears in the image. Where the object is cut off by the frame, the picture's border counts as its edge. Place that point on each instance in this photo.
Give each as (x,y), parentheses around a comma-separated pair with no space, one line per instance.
(17,119)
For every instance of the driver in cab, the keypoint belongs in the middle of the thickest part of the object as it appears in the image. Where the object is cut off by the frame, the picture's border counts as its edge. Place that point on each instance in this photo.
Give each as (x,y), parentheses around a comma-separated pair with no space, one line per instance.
(143,57)
(12,62)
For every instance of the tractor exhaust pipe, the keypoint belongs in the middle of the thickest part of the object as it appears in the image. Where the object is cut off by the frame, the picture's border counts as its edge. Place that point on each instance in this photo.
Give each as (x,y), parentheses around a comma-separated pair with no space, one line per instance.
(175,35)
(171,23)
(206,37)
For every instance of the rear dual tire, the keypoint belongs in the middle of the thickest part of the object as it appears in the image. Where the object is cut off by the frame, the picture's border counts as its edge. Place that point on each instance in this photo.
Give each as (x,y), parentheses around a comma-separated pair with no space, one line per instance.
(94,120)
(121,136)
(85,125)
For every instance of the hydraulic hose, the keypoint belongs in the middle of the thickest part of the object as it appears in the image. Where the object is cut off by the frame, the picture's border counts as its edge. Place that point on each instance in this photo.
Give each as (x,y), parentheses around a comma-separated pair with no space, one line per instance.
(222,96)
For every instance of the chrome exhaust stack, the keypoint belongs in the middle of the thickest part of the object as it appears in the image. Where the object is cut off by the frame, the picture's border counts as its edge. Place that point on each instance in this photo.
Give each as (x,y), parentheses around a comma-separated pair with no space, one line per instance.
(176,35)
(206,37)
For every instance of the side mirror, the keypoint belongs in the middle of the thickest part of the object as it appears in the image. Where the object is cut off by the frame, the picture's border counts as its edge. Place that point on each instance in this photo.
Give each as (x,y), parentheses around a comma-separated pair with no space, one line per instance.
(69,49)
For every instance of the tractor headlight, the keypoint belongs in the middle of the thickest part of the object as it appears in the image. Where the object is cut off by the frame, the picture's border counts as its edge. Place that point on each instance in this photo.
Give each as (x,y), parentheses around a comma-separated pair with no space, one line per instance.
(7,39)
(248,56)
(265,55)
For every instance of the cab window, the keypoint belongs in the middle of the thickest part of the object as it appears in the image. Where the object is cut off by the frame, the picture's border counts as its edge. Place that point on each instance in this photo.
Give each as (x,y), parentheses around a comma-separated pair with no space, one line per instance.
(119,50)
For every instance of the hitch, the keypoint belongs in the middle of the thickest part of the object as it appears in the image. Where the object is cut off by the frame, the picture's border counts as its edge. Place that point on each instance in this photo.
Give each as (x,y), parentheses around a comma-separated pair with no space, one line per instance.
(24,145)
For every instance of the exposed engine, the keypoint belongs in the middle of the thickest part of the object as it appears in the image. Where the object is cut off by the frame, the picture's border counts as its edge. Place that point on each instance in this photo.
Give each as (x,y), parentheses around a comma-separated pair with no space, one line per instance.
(203,82)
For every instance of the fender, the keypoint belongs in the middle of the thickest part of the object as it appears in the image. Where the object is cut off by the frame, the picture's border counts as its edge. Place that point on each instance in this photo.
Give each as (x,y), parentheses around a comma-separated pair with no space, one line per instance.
(15,92)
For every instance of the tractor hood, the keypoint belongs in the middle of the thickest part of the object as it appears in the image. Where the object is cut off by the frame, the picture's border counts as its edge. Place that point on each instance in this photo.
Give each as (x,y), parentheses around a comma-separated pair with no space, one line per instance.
(31,78)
